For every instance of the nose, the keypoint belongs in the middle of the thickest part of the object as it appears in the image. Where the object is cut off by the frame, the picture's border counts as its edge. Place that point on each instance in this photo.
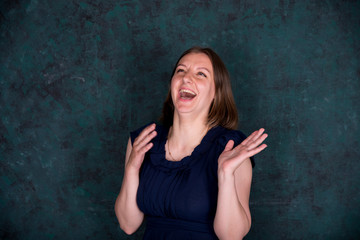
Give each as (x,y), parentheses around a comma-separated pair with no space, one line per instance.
(187,77)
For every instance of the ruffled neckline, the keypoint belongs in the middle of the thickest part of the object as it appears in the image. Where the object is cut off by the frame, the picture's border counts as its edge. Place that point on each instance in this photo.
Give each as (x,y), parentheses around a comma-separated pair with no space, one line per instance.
(157,154)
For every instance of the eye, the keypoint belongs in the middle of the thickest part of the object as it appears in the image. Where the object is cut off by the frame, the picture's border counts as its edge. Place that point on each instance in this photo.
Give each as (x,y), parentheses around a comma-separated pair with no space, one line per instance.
(179,70)
(201,74)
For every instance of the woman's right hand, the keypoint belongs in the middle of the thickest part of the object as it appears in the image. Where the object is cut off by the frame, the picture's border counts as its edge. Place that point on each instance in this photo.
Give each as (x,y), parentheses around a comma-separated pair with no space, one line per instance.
(140,146)
(127,211)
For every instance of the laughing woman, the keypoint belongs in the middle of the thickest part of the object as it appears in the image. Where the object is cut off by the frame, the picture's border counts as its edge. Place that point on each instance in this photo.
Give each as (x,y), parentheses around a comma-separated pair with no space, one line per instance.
(191,176)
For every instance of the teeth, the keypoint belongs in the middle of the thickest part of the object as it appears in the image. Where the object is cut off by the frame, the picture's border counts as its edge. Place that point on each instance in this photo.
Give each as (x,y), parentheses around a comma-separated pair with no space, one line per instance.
(187,91)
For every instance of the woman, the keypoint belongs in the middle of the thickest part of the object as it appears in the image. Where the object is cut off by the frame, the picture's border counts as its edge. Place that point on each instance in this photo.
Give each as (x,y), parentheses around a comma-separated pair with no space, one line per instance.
(191,176)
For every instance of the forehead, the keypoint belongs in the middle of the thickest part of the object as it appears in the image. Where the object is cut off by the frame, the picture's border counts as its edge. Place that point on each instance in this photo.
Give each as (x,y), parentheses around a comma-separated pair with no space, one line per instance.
(198,59)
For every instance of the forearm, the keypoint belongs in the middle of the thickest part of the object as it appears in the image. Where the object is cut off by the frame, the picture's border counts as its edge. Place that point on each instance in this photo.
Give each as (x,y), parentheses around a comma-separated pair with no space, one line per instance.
(128,214)
(231,219)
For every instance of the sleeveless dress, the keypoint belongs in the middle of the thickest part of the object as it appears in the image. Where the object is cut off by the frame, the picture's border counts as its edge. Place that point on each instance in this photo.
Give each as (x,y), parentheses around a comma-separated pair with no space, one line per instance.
(179,199)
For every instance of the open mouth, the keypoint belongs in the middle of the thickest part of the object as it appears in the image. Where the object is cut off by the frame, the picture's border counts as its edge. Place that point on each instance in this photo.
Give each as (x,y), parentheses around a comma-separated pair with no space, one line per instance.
(187,94)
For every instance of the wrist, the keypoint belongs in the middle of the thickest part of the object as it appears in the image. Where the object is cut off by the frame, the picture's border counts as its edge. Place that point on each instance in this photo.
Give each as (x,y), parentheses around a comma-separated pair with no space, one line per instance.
(131,171)
(225,170)
(225,176)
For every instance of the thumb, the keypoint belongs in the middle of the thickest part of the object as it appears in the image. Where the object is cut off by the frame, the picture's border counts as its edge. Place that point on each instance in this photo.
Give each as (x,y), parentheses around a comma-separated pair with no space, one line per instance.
(229,145)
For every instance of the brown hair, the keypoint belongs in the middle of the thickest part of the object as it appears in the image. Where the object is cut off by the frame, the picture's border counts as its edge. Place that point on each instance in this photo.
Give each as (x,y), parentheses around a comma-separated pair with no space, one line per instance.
(222,110)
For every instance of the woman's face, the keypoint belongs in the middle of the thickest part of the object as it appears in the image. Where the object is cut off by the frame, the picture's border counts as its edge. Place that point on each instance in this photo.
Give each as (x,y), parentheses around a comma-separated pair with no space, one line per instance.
(192,85)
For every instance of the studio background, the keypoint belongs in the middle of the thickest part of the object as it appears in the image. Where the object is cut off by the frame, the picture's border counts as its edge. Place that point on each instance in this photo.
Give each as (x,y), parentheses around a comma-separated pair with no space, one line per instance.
(77,76)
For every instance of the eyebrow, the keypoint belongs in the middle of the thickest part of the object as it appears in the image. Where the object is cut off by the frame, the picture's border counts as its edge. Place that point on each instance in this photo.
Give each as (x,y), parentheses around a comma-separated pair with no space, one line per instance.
(204,69)
(180,64)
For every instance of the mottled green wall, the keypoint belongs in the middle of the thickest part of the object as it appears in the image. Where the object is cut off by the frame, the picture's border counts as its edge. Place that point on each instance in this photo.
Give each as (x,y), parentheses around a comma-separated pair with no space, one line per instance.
(77,76)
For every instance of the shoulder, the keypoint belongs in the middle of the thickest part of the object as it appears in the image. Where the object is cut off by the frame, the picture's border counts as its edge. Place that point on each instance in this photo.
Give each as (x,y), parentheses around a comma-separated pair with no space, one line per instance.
(135,133)
(161,130)
(224,135)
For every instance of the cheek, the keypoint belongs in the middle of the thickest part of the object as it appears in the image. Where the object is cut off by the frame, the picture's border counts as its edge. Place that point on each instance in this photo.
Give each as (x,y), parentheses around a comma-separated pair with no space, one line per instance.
(173,87)
(173,82)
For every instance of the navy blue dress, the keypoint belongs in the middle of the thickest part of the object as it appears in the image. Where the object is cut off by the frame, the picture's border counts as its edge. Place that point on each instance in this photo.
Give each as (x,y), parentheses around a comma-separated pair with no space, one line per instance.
(179,198)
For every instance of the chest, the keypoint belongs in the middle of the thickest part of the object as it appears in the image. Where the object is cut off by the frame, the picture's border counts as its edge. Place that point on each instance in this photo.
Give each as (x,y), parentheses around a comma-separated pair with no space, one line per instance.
(186,191)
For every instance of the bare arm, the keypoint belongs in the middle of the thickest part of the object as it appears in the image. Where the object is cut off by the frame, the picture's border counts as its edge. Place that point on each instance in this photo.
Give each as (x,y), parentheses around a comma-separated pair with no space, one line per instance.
(233,219)
(127,212)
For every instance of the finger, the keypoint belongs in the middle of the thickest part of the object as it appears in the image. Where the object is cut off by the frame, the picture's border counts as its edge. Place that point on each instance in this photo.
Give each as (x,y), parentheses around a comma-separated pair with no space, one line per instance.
(258,134)
(257,150)
(255,135)
(249,138)
(257,142)
(146,148)
(144,133)
(137,157)
(143,142)
(229,145)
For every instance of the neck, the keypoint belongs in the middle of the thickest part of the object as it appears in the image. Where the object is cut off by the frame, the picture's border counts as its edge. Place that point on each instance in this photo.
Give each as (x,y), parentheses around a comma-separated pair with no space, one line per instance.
(187,132)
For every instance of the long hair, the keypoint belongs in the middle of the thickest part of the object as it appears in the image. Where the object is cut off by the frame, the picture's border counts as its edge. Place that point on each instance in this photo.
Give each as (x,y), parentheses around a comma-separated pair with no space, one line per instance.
(222,111)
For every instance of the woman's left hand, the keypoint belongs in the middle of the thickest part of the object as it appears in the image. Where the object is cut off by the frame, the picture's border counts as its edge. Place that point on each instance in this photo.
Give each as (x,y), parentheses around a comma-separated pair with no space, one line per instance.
(231,158)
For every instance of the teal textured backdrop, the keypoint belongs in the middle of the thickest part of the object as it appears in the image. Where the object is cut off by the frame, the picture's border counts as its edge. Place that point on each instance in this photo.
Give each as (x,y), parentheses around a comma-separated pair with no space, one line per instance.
(77,76)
